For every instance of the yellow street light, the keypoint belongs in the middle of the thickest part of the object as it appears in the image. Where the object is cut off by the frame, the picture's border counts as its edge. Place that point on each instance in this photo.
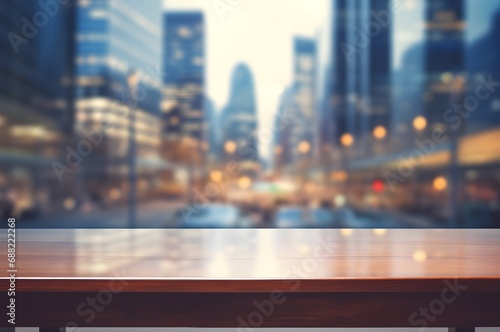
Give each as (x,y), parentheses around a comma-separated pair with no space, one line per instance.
(244,182)
(379,132)
(230,146)
(440,183)
(346,139)
(216,175)
(419,123)
(304,147)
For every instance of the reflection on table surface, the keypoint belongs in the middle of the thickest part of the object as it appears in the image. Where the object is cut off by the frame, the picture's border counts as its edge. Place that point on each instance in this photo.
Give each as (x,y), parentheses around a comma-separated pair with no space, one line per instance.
(256,254)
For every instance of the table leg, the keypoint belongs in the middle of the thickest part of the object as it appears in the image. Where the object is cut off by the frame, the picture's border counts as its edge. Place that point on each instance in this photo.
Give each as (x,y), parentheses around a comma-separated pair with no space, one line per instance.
(461,329)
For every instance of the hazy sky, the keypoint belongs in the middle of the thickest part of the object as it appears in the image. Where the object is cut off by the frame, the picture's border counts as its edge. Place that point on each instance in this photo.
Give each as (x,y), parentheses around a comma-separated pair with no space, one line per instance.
(259,33)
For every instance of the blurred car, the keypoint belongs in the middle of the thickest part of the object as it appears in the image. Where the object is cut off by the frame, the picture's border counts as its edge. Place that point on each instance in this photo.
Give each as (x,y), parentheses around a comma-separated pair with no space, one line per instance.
(299,217)
(357,218)
(320,218)
(289,217)
(214,216)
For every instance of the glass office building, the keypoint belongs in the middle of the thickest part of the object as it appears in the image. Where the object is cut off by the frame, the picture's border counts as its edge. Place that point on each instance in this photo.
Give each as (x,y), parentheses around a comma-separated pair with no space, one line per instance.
(304,91)
(184,82)
(239,119)
(481,61)
(36,101)
(361,84)
(118,79)
(443,57)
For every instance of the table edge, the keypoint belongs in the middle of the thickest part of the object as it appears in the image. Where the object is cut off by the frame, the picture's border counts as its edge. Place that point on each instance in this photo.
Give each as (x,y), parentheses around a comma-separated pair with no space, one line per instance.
(341,285)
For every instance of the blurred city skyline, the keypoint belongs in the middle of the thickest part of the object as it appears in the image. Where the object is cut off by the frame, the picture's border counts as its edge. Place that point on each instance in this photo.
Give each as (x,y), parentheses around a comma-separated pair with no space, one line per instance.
(242,35)
(249,33)
(227,113)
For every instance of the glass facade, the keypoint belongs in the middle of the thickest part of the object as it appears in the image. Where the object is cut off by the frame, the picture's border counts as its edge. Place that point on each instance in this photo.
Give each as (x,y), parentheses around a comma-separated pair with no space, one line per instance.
(184,82)
(118,88)
(239,119)
(36,101)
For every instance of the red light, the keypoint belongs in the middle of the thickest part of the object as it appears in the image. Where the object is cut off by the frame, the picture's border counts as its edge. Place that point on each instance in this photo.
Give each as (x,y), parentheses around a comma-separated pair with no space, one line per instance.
(378,186)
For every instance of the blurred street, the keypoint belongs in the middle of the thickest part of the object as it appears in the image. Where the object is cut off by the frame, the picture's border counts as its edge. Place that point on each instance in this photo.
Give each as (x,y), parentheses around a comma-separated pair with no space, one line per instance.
(155,214)
(168,214)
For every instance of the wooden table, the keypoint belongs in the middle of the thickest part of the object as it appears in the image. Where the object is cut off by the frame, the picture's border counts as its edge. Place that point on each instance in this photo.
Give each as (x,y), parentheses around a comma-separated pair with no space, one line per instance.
(256,278)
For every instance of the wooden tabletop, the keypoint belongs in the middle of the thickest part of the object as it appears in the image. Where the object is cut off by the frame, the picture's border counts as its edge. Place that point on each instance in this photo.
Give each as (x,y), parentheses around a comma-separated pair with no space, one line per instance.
(257,255)
(241,261)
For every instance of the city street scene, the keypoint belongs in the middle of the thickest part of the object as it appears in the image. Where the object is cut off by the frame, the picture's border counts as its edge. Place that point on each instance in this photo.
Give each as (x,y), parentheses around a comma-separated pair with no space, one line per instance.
(250,113)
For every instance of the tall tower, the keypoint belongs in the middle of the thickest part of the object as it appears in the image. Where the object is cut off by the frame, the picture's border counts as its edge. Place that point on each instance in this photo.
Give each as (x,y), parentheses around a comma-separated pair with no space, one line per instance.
(239,118)
(380,62)
(361,85)
(36,100)
(304,96)
(118,57)
(443,57)
(32,74)
(184,79)
(338,98)
(482,61)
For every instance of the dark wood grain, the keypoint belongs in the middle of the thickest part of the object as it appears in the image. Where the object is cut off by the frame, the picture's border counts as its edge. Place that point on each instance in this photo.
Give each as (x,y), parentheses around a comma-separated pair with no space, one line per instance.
(211,278)
(329,309)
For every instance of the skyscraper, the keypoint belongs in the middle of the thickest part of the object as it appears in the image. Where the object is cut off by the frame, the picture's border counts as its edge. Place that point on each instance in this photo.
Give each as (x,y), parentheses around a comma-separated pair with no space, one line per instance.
(361,78)
(304,93)
(408,88)
(184,79)
(239,118)
(482,65)
(379,68)
(36,113)
(338,97)
(284,121)
(443,56)
(118,56)
(32,74)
